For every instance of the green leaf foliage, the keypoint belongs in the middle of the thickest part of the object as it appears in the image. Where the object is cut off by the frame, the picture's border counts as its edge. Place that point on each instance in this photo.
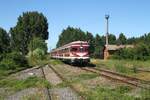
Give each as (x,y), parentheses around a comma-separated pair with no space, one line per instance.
(13,60)
(122,39)
(140,52)
(90,39)
(99,44)
(29,25)
(37,43)
(69,35)
(112,39)
(38,53)
(4,41)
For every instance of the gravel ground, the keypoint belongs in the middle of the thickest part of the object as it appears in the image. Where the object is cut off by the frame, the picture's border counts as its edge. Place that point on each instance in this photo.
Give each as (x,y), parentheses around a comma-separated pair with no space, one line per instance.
(64,94)
(34,93)
(26,93)
(72,69)
(51,76)
(69,71)
(4,92)
(59,93)
(35,71)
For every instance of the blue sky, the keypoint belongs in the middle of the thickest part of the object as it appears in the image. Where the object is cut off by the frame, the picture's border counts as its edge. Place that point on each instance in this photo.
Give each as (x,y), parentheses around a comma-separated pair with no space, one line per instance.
(128,16)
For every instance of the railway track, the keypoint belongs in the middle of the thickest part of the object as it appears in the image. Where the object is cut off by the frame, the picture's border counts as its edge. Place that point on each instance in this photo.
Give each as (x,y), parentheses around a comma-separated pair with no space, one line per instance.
(21,71)
(65,80)
(119,77)
(141,70)
(47,89)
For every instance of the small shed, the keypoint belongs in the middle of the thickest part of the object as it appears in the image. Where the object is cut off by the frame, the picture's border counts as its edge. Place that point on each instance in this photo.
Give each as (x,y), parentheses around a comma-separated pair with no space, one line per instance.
(111,49)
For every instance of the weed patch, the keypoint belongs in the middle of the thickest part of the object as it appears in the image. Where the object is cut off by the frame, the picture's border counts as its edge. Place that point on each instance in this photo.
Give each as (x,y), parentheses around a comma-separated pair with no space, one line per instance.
(145,94)
(81,77)
(122,69)
(17,85)
(55,62)
(105,93)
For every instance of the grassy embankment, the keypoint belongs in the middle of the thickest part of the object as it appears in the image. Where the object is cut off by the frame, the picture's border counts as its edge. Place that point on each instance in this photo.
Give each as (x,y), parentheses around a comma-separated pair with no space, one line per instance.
(93,87)
(9,84)
(127,67)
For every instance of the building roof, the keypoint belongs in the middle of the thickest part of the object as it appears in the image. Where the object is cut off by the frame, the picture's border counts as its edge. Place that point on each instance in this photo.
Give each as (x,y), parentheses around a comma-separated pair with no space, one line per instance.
(116,47)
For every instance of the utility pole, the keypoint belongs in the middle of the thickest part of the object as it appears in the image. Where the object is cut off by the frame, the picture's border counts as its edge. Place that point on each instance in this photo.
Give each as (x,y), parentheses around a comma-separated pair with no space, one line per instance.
(107,33)
(106,53)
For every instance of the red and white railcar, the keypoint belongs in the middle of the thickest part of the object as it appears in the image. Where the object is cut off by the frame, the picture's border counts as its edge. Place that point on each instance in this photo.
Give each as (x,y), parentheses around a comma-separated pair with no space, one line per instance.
(76,51)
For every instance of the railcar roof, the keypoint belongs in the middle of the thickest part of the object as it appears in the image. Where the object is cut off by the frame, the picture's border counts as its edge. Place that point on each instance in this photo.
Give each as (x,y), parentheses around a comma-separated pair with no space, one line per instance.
(69,44)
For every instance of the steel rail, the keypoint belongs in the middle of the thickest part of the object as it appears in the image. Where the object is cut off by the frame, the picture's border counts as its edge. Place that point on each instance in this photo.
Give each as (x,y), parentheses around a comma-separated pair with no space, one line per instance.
(47,89)
(65,80)
(123,78)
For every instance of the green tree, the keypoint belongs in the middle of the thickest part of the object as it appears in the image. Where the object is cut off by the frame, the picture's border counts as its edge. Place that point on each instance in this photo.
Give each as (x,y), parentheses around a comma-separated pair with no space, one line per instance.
(141,51)
(111,39)
(90,39)
(122,39)
(29,25)
(37,43)
(99,43)
(131,40)
(37,51)
(69,35)
(4,41)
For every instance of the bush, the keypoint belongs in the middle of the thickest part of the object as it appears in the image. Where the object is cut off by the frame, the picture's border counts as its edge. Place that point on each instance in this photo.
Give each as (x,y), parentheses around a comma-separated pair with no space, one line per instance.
(13,60)
(38,54)
(8,64)
(18,85)
(36,57)
(37,43)
(1,57)
(18,58)
(139,52)
(37,51)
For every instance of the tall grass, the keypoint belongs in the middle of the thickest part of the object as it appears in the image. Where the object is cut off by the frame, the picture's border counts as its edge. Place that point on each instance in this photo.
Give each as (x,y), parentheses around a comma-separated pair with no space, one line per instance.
(127,63)
(121,68)
(106,93)
(17,85)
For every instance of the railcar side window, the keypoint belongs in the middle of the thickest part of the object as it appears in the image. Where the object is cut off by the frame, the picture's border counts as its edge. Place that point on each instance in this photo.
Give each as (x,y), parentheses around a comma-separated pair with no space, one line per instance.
(74,49)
